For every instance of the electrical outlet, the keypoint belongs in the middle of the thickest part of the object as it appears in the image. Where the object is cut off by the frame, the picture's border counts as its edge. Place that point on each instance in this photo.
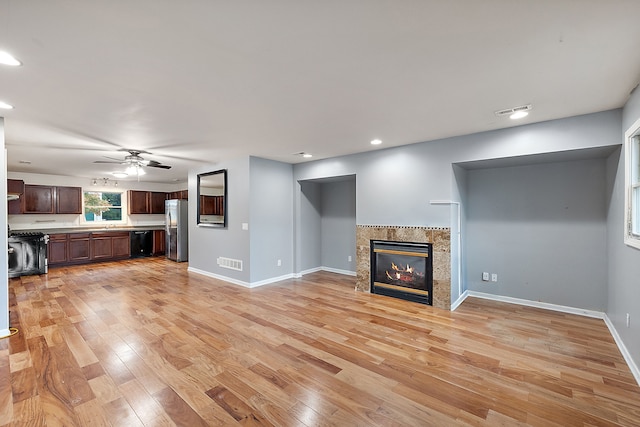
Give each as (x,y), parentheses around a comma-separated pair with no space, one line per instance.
(279,263)
(494,277)
(628,320)
(349,258)
(485,276)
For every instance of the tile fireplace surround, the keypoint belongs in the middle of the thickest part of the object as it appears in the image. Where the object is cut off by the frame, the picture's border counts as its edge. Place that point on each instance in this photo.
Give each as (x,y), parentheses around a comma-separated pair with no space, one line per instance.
(440,237)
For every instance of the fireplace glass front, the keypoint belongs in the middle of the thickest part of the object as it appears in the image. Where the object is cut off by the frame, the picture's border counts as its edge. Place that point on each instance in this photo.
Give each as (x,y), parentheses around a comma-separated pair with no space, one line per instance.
(402,270)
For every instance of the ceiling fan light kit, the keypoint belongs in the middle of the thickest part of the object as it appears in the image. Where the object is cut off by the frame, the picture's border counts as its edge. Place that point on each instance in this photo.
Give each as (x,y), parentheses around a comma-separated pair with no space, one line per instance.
(134,163)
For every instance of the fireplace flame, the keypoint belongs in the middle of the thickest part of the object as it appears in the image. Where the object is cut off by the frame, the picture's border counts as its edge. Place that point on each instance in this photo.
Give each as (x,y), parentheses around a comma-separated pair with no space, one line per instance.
(403,274)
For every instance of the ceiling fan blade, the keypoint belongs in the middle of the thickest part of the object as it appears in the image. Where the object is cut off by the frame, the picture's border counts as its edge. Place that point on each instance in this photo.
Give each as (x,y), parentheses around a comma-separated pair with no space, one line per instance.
(158,165)
(109,161)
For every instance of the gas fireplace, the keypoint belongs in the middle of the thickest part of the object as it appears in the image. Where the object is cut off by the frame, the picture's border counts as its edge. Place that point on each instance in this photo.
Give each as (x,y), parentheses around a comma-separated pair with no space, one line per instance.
(402,270)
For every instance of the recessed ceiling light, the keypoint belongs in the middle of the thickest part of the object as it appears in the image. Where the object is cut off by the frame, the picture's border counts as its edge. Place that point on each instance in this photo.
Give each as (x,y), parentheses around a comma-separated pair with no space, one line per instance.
(518,115)
(515,112)
(7,59)
(307,155)
(6,106)
(376,142)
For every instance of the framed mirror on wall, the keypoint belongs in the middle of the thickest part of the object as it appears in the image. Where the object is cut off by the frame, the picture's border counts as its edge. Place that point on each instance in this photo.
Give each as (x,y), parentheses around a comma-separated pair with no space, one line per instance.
(212,199)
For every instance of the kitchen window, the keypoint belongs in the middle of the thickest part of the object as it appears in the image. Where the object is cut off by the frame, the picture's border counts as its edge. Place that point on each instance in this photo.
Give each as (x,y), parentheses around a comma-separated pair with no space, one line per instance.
(101,206)
(632,186)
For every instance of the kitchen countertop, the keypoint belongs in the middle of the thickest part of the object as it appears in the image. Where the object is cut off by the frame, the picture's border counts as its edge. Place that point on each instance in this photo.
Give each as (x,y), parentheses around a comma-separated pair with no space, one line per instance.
(88,229)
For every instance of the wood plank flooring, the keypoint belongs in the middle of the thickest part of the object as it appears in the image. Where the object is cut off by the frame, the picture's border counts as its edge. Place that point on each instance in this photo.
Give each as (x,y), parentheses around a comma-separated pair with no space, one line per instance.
(145,343)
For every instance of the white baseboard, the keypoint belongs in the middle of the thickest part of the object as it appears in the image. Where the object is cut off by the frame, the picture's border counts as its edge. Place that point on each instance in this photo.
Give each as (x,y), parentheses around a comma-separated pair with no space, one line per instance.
(459,301)
(329,269)
(564,309)
(623,349)
(338,271)
(270,280)
(240,282)
(309,271)
(537,304)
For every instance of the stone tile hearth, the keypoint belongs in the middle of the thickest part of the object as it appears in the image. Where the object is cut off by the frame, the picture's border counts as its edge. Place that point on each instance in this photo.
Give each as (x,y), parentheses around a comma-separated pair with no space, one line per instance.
(440,237)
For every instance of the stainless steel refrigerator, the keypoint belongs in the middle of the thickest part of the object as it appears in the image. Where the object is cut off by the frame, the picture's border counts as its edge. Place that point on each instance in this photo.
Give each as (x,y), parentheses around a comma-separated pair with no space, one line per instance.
(177,228)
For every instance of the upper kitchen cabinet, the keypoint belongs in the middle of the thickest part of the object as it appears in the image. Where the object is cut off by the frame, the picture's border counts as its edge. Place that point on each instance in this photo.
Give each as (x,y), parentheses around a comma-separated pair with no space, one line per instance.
(138,202)
(180,195)
(69,200)
(46,199)
(15,191)
(39,199)
(146,202)
(157,202)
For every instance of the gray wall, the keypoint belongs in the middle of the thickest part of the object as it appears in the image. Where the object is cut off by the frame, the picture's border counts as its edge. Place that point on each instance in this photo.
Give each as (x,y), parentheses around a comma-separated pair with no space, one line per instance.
(418,173)
(414,175)
(624,261)
(310,230)
(542,229)
(338,225)
(207,244)
(328,224)
(271,219)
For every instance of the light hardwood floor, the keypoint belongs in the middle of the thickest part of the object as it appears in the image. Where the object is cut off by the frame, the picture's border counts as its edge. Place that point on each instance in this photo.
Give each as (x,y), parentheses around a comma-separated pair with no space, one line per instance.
(145,343)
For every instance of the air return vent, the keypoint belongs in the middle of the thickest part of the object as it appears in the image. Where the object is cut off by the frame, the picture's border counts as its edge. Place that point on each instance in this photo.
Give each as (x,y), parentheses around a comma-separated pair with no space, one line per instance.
(230,263)
(510,111)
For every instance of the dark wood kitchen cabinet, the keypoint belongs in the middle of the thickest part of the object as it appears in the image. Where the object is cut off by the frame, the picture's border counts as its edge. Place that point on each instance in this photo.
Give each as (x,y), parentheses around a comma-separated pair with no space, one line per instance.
(121,244)
(68,200)
(82,248)
(79,247)
(57,249)
(47,199)
(179,195)
(138,202)
(110,245)
(157,202)
(159,242)
(146,202)
(39,199)
(15,186)
(101,246)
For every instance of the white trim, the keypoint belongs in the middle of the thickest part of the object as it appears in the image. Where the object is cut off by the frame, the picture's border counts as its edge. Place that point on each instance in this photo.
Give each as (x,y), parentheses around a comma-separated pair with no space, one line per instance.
(629,239)
(270,280)
(623,349)
(538,304)
(240,282)
(459,301)
(309,271)
(339,271)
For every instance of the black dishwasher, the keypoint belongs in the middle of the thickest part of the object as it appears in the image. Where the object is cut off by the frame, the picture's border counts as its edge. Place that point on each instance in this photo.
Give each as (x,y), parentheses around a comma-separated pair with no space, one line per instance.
(141,243)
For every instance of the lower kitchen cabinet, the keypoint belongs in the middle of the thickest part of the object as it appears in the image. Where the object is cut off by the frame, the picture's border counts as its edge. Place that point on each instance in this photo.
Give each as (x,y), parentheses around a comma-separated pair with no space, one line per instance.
(101,246)
(121,245)
(81,248)
(159,242)
(58,249)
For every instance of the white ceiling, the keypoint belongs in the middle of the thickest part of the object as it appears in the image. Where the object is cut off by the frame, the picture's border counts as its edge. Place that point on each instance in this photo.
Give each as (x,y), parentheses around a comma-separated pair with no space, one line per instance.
(195,82)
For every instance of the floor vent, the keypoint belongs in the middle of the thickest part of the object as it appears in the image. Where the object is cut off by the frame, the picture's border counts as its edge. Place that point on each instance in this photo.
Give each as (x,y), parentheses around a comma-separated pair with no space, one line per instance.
(230,263)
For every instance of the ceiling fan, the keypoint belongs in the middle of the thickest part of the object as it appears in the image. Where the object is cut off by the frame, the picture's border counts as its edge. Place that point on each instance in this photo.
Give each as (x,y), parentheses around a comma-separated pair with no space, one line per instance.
(134,163)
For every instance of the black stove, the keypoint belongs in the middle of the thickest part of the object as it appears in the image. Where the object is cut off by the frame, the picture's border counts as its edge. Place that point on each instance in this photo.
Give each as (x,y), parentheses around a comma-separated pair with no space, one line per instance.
(27,234)
(27,253)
